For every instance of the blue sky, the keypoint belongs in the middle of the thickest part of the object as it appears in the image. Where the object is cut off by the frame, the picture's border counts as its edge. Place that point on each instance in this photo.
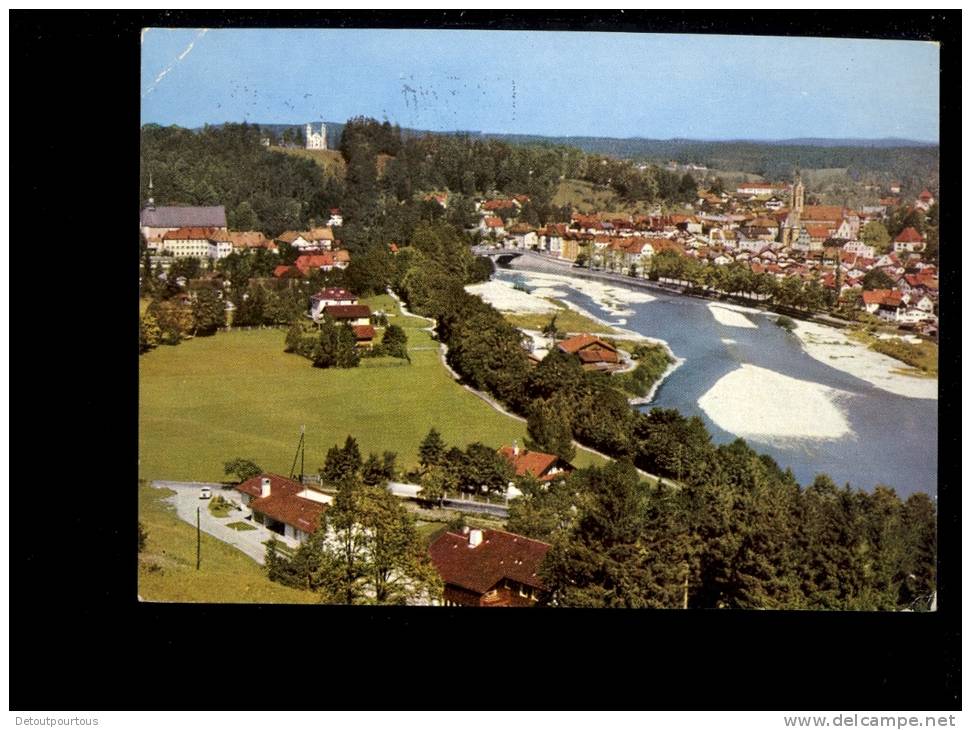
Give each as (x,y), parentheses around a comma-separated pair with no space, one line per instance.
(600,84)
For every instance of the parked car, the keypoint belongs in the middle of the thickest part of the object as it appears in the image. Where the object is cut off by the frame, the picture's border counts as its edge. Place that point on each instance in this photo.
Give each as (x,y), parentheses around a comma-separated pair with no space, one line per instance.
(206,493)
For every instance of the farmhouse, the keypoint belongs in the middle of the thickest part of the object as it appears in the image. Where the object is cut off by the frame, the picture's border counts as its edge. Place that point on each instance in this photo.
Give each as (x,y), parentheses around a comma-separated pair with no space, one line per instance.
(593,353)
(489,567)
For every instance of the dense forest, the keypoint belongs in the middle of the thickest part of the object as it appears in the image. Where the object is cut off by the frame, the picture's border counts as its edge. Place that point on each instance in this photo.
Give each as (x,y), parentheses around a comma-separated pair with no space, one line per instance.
(261,189)
(890,158)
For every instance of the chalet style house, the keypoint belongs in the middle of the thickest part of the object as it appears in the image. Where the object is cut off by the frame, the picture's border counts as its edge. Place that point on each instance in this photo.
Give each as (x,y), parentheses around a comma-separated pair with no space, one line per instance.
(489,567)
(593,353)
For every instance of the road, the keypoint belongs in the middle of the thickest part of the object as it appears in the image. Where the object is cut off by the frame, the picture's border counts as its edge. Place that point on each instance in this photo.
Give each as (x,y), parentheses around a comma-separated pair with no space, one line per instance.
(186,500)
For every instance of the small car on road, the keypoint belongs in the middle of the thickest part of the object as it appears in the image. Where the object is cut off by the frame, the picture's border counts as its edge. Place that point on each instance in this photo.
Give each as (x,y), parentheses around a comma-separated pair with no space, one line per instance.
(206,493)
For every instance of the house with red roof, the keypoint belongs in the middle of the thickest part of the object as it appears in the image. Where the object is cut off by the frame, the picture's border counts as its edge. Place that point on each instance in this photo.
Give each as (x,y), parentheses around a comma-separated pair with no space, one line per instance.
(492,224)
(357,315)
(331,296)
(593,353)
(283,505)
(925,200)
(542,466)
(885,303)
(287,272)
(489,567)
(492,206)
(336,219)
(909,239)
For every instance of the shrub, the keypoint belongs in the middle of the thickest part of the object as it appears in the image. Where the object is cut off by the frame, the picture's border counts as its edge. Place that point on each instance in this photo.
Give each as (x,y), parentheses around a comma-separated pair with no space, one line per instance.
(786,323)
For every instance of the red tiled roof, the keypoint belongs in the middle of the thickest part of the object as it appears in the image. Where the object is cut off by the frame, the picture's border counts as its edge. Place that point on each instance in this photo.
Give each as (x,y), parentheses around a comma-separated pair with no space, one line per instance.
(180,234)
(493,222)
(335,293)
(817,231)
(306,262)
(363,332)
(822,213)
(575,344)
(593,356)
(525,462)
(909,235)
(348,311)
(925,194)
(283,504)
(883,297)
(500,555)
(284,270)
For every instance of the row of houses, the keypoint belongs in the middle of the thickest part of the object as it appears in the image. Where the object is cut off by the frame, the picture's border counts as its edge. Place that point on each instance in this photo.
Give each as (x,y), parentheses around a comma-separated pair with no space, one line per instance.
(479,567)
(201,232)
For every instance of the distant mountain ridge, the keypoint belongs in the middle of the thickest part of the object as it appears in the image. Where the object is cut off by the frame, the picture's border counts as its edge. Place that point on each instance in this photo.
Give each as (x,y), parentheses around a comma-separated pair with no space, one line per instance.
(606,145)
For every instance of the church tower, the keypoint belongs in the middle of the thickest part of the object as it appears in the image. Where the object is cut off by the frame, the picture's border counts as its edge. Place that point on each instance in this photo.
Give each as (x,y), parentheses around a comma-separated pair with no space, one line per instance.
(798,195)
(790,230)
(150,205)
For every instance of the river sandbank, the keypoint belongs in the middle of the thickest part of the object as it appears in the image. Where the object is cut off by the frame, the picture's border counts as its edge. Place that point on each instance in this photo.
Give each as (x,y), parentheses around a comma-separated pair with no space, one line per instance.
(757,404)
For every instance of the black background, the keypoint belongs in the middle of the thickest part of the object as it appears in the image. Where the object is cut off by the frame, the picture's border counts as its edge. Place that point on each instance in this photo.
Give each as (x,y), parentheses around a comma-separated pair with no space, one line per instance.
(80,640)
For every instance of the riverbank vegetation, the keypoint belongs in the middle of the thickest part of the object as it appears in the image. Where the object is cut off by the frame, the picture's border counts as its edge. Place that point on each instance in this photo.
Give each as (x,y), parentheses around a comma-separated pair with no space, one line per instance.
(567,321)
(652,362)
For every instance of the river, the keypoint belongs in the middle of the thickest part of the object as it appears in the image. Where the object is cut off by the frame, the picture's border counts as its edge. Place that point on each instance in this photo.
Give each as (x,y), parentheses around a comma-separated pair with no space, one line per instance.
(891,439)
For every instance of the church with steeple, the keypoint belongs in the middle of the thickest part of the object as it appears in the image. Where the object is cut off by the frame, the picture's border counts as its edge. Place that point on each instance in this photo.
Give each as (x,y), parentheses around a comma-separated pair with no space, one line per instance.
(790,229)
(156,221)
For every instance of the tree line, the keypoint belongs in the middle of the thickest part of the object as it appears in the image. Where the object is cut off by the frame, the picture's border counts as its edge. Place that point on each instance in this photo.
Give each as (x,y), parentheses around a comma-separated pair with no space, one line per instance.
(748,537)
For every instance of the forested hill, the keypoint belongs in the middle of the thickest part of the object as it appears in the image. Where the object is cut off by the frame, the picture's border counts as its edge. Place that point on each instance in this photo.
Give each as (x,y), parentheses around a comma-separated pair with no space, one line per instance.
(881,159)
(774,160)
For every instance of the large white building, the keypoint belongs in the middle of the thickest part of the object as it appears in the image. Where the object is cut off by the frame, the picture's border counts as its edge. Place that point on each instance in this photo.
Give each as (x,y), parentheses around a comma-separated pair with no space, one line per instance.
(197,243)
(317,141)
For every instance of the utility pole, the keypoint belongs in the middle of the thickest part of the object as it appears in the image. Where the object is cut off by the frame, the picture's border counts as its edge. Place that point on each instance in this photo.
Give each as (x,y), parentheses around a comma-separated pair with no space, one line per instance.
(198,538)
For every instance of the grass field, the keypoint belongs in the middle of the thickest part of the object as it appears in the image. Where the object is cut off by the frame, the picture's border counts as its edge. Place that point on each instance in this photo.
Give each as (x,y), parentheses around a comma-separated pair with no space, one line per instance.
(167,567)
(588,198)
(211,399)
(566,320)
(330,160)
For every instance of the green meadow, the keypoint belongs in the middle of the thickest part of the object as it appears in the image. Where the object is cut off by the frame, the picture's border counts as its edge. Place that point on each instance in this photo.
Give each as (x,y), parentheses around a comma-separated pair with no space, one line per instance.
(167,567)
(237,393)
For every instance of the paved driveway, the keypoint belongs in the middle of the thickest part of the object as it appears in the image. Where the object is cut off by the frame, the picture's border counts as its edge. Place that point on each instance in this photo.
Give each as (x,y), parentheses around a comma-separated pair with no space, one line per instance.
(186,500)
